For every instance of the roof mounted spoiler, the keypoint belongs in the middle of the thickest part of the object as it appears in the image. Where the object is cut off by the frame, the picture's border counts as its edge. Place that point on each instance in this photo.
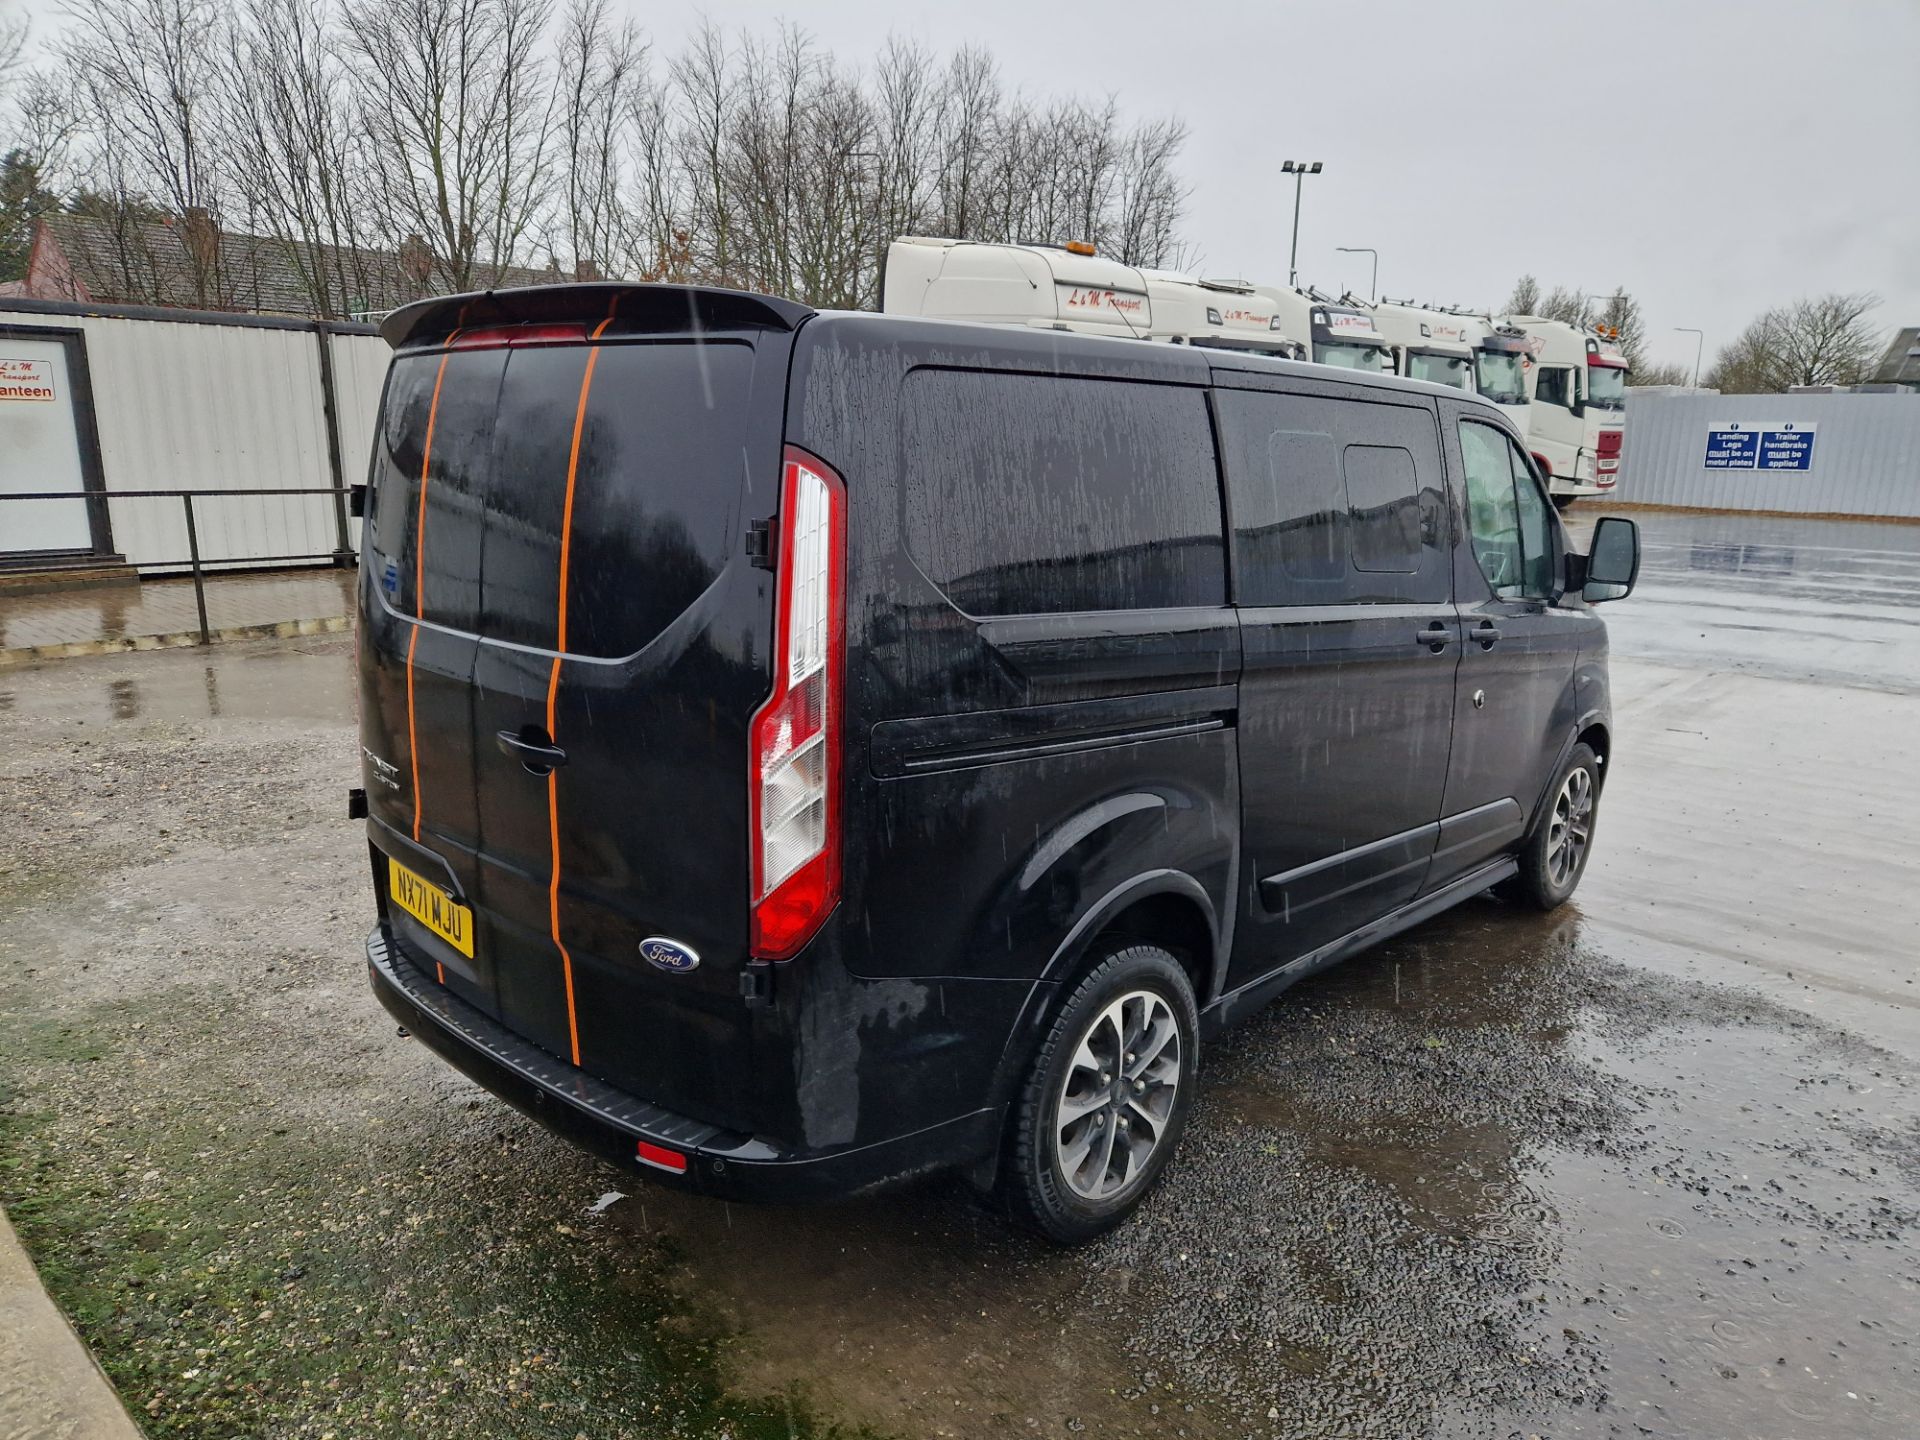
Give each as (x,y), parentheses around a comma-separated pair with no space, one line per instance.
(638,307)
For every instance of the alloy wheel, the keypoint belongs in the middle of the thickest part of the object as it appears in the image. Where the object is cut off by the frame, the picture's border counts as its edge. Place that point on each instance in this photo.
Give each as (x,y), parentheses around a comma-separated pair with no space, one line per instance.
(1118,1095)
(1570,827)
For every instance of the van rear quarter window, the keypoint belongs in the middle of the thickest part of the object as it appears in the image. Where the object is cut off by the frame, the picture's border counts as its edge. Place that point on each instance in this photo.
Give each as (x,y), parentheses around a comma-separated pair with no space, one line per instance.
(655,487)
(1031,494)
(1334,501)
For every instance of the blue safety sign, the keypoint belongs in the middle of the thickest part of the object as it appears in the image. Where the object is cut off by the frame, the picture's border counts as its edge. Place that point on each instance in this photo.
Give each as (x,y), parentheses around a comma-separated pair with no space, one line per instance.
(1770,445)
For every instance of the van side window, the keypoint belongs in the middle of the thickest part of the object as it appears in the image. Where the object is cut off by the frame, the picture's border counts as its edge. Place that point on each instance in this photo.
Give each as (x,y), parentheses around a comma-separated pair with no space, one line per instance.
(1506,515)
(1536,526)
(1554,386)
(1334,501)
(1383,505)
(1031,494)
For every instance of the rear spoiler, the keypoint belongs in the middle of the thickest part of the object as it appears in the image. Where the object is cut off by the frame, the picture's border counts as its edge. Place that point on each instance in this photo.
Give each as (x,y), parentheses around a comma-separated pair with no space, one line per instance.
(636,307)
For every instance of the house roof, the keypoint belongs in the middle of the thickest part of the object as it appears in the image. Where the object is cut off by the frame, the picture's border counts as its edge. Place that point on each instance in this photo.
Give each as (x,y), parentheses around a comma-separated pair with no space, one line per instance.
(116,260)
(1901,364)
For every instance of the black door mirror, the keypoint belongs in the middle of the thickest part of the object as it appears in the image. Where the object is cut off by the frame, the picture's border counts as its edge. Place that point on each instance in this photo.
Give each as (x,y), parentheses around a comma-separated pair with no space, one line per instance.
(1613,561)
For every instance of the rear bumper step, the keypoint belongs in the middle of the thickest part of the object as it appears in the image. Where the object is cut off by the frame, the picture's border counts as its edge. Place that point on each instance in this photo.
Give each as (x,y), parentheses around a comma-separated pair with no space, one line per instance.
(614,1124)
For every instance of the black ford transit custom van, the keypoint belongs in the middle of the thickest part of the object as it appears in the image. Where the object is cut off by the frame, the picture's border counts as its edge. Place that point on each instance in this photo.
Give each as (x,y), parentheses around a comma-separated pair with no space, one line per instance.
(807,749)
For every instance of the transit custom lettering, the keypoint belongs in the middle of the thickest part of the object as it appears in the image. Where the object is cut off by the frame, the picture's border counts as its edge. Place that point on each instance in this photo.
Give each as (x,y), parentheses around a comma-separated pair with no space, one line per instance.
(26,379)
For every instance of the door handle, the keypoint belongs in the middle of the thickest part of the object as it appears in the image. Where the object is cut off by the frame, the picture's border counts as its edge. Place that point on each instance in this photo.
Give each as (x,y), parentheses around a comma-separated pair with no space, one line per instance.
(1486,634)
(532,747)
(1435,637)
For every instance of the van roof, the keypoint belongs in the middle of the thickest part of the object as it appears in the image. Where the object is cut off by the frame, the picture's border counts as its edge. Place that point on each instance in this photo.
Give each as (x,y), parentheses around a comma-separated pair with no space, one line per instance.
(636,305)
(1263,364)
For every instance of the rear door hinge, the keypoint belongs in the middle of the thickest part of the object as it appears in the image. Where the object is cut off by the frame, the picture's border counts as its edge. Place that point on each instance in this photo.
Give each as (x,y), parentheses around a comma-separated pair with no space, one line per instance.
(760,544)
(756,986)
(356,804)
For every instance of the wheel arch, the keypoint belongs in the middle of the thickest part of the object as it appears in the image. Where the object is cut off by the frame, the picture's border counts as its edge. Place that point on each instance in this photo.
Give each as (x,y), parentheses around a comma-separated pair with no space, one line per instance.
(1168,908)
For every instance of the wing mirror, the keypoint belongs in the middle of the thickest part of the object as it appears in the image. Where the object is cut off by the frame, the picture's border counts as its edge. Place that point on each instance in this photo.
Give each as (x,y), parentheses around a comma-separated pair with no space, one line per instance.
(1613,561)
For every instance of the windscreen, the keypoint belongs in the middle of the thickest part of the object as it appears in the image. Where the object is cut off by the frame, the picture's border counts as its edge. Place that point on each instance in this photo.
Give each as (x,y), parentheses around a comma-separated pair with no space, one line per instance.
(489,433)
(1451,370)
(1498,376)
(1606,387)
(1353,357)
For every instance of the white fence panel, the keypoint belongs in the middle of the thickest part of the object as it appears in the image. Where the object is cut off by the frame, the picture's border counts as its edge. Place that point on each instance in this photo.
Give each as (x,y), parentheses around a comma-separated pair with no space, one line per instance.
(1866,458)
(222,405)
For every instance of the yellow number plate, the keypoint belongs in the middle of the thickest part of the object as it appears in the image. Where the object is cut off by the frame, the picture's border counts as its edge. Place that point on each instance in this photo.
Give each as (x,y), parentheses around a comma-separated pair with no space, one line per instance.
(431,906)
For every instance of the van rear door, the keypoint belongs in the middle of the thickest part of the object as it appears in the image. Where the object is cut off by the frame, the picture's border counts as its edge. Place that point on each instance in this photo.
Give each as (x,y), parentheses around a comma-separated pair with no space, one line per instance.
(563,642)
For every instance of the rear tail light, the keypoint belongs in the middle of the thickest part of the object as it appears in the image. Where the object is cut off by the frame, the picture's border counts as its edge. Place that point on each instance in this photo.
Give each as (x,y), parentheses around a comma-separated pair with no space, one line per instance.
(795,777)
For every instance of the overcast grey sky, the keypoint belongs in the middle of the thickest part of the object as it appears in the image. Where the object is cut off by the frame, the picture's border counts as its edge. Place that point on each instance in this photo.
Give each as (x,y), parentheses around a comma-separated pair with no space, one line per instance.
(1713,156)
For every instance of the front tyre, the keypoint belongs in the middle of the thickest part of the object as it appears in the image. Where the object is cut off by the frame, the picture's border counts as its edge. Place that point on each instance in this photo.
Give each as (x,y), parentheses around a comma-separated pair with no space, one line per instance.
(1106,1098)
(1555,855)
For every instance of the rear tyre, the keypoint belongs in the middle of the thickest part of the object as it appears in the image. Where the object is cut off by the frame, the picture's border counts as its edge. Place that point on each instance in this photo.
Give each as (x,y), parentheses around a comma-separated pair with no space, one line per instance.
(1555,855)
(1106,1098)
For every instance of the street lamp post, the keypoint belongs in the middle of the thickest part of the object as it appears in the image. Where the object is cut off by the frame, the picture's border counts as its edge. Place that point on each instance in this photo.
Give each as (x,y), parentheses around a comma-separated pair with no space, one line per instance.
(1699,343)
(1373,283)
(1299,169)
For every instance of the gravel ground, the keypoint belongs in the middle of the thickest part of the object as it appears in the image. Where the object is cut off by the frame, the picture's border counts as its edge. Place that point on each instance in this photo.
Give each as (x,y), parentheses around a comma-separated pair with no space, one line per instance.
(1486,1181)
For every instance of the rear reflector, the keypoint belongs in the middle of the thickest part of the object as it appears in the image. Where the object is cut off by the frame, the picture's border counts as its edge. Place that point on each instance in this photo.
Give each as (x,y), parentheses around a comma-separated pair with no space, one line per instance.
(795,780)
(660,1157)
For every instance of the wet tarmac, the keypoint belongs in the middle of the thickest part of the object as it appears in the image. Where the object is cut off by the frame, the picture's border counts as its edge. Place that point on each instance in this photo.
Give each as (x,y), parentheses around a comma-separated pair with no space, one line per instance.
(1646,1167)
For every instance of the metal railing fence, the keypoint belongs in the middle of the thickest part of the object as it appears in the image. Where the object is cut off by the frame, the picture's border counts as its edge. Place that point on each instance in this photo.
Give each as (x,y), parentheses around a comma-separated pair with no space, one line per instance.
(194,562)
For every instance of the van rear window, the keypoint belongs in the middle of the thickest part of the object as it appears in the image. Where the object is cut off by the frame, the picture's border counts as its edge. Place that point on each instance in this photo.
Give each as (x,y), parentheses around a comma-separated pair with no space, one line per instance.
(656,487)
(1031,494)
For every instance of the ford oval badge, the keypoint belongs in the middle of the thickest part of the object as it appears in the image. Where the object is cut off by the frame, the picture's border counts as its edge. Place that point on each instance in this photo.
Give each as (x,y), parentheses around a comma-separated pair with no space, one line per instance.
(669,955)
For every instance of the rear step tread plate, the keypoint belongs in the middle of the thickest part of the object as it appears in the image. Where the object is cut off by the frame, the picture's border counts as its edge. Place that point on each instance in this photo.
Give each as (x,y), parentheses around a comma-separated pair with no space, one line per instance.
(606,1103)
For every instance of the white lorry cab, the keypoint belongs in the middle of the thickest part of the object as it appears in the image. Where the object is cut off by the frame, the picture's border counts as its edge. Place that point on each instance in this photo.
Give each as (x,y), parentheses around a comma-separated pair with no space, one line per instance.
(1341,332)
(1065,287)
(1428,344)
(1220,314)
(1069,287)
(1458,349)
(1577,411)
(1500,363)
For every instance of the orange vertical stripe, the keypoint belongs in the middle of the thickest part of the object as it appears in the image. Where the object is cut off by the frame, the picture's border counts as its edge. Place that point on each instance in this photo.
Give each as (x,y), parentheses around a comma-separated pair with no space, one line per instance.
(553,686)
(420,581)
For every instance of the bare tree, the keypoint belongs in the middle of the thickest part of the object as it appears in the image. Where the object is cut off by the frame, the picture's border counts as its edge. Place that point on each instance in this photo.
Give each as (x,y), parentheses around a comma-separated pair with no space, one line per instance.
(145,77)
(704,79)
(602,70)
(456,103)
(1525,299)
(1824,340)
(969,115)
(1151,196)
(466,135)
(907,109)
(288,122)
(1662,373)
